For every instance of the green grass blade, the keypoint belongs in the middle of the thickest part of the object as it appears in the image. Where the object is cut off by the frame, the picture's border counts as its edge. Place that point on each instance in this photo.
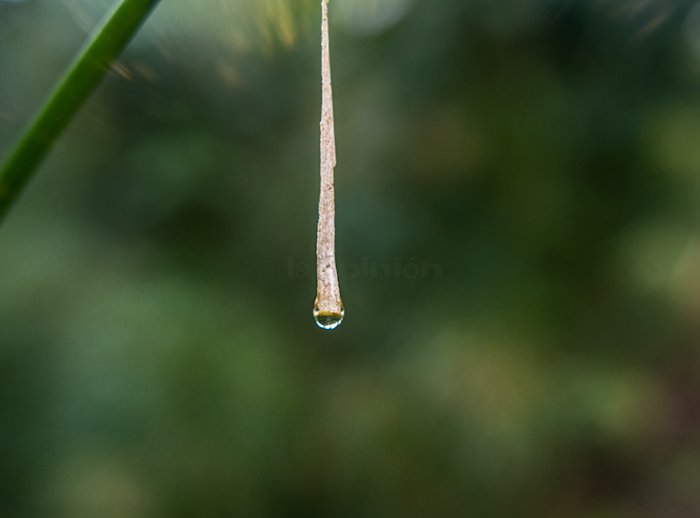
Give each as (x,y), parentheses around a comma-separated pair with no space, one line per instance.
(74,88)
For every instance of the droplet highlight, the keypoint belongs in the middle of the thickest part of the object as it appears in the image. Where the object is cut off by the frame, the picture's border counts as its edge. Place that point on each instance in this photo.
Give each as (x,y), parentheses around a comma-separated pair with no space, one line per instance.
(328,321)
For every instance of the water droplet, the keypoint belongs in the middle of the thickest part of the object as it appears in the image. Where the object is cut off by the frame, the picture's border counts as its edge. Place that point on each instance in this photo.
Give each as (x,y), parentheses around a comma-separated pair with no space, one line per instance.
(328,320)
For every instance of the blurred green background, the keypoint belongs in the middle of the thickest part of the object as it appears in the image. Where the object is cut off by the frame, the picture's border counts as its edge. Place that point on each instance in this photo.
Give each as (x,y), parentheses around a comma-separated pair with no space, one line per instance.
(517,227)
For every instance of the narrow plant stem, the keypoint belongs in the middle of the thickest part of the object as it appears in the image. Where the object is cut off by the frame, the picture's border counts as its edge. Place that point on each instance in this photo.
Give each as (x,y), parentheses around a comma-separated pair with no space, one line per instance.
(328,307)
(73,89)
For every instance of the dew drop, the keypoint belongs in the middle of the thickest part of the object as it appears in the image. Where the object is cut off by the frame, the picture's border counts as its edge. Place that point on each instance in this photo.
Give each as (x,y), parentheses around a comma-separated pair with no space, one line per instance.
(327,320)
